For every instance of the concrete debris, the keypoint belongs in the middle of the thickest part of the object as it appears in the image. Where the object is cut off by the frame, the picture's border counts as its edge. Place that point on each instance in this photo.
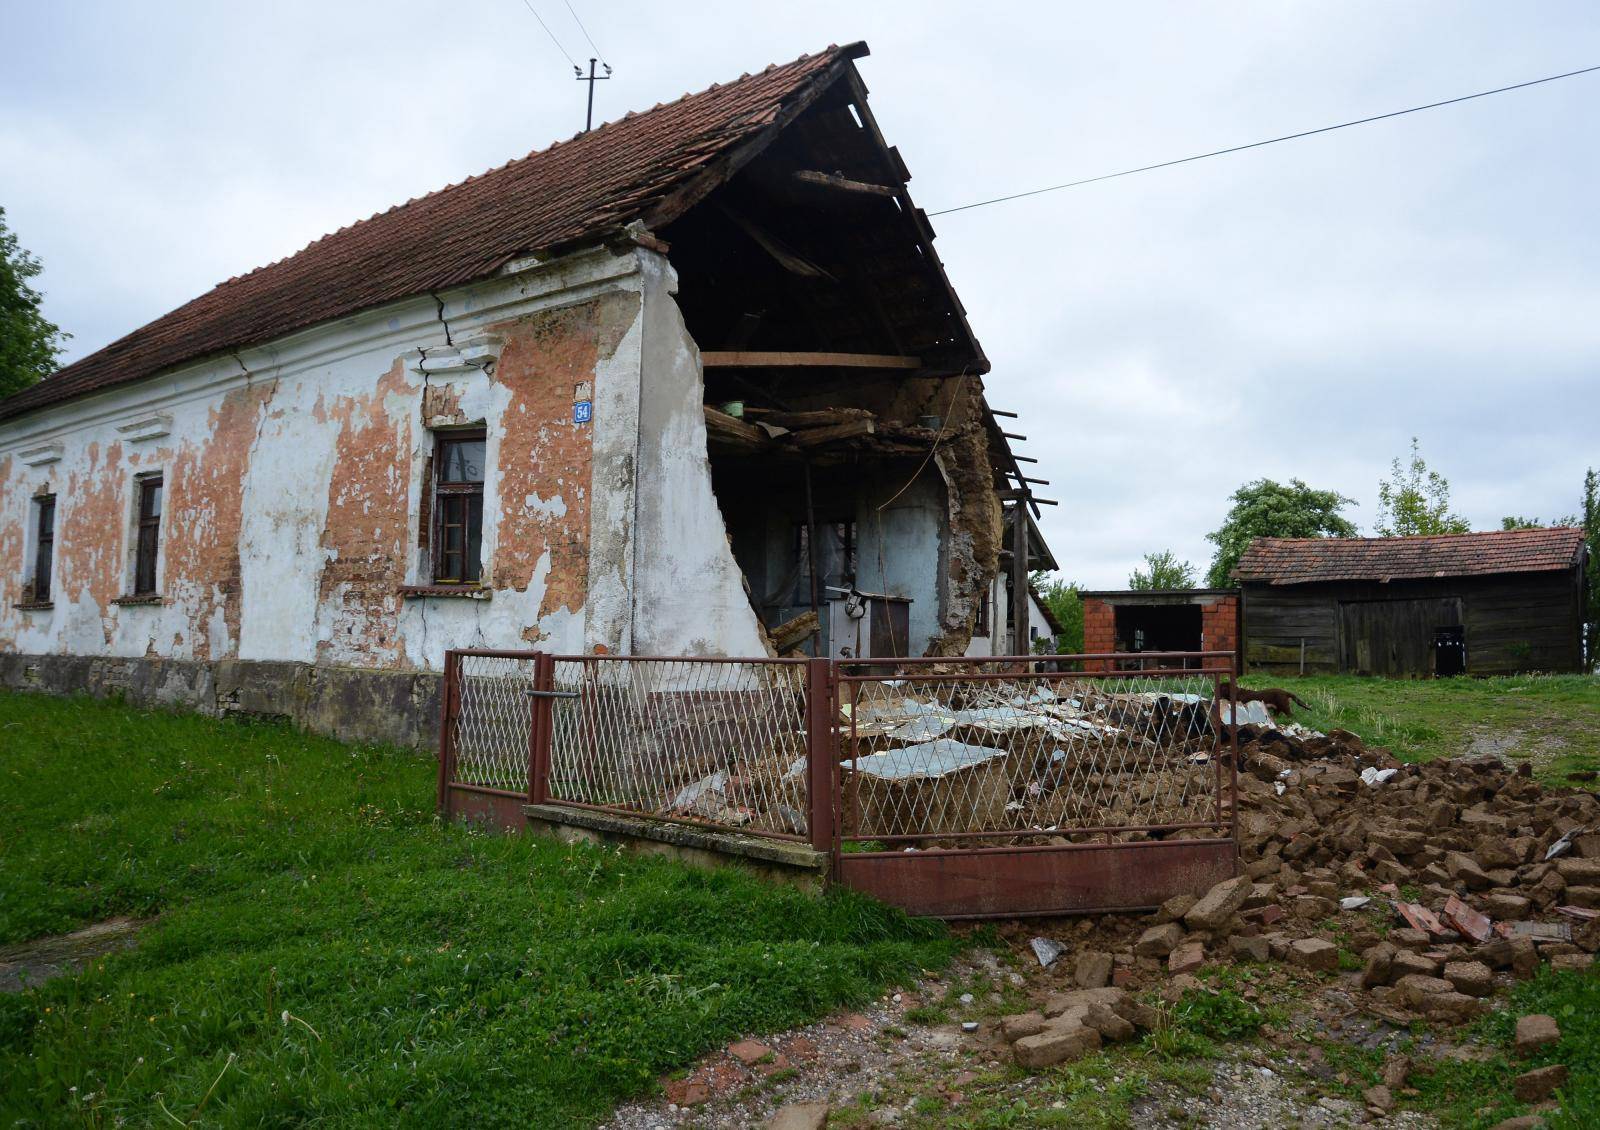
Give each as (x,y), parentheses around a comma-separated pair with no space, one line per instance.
(1354,902)
(1047,951)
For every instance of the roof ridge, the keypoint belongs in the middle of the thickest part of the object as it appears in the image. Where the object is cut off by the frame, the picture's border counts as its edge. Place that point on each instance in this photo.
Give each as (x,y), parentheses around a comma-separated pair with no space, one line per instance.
(556,143)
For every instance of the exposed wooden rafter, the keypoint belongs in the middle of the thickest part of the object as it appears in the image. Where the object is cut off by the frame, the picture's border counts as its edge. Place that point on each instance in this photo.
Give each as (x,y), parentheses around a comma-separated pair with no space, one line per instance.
(746,359)
(844,184)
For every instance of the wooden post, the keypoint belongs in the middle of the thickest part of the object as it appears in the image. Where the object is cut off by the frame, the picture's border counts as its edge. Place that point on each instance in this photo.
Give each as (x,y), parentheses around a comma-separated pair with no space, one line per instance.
(1019,577)
(821,751)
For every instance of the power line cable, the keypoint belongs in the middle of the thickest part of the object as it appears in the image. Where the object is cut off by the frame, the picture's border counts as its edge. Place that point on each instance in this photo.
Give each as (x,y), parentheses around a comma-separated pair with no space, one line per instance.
(1268,141)
(528,5)
(598,53)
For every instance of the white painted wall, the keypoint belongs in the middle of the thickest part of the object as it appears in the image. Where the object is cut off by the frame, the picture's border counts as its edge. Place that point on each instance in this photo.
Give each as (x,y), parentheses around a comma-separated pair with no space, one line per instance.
(661,578)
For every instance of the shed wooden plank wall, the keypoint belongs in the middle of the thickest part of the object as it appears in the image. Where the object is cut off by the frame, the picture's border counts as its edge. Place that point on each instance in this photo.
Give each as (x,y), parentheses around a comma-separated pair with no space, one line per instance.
(1526,622)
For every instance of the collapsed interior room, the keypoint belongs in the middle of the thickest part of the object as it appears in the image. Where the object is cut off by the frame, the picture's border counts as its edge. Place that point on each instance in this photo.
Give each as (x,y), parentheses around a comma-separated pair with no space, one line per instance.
(859,471)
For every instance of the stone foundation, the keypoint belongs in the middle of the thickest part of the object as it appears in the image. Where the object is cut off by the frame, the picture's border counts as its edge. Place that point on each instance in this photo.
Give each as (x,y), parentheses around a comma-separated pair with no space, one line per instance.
(351,704)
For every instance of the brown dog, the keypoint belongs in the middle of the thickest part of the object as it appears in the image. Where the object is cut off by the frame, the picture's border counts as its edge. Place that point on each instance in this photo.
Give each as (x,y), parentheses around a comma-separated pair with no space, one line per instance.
(1276,700)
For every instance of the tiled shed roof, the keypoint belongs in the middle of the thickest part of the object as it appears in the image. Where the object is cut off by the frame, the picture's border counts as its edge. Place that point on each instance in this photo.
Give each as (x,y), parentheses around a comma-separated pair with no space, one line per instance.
(573,192)
(1293,561)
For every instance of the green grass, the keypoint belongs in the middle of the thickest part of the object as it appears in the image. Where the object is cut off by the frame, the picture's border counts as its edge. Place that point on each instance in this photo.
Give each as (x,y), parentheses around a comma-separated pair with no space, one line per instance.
(1553,719)
(326,951)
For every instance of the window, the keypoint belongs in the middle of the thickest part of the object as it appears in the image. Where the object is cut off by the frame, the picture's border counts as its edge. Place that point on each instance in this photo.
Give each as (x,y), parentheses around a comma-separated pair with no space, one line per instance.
(980,624)
(148,545)
(44,547)
(458,508)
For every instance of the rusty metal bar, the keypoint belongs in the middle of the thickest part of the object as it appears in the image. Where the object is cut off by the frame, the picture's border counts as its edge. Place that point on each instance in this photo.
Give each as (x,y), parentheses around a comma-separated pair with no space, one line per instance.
(821,756)
(1073,830)
(452,671)
(539,729)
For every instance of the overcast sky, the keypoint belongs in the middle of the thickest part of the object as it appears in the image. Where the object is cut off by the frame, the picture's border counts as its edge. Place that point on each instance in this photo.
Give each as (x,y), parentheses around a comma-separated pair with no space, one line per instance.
(1299,310)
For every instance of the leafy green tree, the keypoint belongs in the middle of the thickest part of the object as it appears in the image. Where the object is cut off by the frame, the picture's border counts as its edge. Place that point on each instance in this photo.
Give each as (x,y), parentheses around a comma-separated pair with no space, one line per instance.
(1066,605)
(1516,522)
(1416,500)
(29,344)
(1266,509)
(1163,571)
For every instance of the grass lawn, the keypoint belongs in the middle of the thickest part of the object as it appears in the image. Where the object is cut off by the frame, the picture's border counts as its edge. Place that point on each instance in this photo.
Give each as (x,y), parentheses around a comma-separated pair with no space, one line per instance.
(1553,719)
(325,950)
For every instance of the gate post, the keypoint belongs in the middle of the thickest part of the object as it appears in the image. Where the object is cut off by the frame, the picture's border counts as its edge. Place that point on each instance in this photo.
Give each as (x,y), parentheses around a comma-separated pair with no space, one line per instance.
(448,693)
(540,729)
(821,751)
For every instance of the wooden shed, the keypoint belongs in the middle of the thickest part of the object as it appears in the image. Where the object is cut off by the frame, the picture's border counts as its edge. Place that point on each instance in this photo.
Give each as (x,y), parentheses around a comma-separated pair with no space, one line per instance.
(1481,604)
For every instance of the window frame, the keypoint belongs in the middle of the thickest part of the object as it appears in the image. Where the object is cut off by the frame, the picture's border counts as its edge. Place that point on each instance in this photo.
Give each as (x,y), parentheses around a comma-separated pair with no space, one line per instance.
(44,549)
(147,555)
(441,498)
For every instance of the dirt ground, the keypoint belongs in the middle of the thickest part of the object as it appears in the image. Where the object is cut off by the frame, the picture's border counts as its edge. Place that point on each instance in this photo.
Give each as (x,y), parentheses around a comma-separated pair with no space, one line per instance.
(38,960)
(882,1067)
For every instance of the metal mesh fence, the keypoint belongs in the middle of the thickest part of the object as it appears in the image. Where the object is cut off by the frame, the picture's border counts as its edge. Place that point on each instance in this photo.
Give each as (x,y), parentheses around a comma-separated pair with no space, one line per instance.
(1038,758)
(705,741)
(490,729)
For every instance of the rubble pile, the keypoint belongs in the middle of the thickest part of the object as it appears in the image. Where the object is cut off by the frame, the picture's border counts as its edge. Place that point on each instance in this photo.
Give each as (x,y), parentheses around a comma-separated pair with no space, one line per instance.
(1429,886)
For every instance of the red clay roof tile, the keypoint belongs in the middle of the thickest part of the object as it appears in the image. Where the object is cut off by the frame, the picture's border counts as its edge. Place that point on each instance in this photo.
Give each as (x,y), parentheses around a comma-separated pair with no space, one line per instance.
(1294,561)
(574,191)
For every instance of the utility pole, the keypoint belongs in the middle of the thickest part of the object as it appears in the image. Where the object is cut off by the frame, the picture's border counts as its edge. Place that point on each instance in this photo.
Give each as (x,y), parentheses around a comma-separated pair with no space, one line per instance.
(591,78)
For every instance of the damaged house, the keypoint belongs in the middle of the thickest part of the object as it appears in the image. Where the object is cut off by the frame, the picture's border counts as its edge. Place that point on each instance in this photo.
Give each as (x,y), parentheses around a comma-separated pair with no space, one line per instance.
(693,383)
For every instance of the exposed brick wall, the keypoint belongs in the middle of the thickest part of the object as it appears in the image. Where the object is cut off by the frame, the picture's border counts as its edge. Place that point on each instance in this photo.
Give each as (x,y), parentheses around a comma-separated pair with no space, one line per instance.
(1099,630)
(1219,625)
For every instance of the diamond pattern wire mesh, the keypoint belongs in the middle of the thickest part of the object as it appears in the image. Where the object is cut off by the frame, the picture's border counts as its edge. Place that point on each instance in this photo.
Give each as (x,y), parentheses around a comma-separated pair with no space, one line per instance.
(1040,757)
(718,743)
(492,722)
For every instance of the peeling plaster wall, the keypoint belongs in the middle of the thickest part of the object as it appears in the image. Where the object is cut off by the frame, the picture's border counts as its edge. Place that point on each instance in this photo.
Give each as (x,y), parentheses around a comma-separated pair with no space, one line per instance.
(296,483)
(689,596)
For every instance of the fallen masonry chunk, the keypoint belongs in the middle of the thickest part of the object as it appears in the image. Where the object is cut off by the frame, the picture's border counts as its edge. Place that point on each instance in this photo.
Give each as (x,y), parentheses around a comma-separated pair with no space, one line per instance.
(1354,902)
(1572,962)
(969,1026)
(1110,1026)
(1396,1071)
(1186,958)
(1406,963)
(1456,1008)
(800,1116)
(1060,1003)
(1579,872)
(1159,941)
(1465,869)
(749,1052)
(1314,953)
(1174,908)
(1250,948)
(1539,1084)
(1013,1028)
(1414,988)
(1093,970)
(1055,1045)
(1379,1098)
(1378,965)
(1219,904)
(1535,1032)
(1470,977)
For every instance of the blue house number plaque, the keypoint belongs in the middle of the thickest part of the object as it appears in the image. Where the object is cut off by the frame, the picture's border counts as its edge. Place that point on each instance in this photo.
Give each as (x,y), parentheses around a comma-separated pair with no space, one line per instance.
(583,411)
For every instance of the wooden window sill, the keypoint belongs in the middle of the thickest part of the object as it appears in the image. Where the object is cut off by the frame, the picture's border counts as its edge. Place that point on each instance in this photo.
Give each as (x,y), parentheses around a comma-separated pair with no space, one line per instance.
(34,605)
(458,592)
(140,599)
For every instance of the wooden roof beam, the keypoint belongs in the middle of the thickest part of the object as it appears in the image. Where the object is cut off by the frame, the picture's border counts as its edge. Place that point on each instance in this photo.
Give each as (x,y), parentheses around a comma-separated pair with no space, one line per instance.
(843,184)
(747,359)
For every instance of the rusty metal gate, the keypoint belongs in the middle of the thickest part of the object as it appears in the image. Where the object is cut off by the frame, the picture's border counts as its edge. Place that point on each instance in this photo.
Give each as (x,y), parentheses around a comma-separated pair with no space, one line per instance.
(950,787)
